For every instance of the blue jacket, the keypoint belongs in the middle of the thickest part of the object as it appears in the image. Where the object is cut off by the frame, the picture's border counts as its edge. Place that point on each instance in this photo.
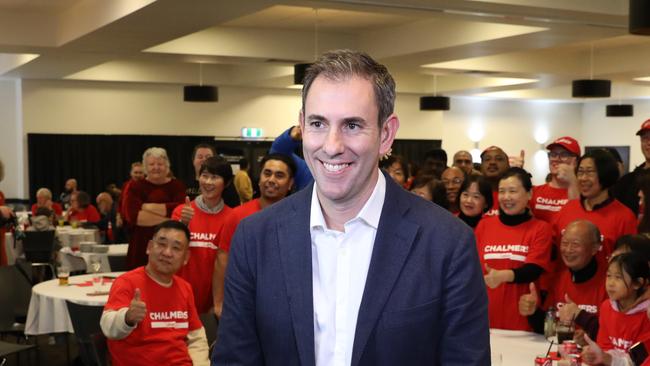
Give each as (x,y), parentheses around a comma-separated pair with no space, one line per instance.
(284,144)
(424,301)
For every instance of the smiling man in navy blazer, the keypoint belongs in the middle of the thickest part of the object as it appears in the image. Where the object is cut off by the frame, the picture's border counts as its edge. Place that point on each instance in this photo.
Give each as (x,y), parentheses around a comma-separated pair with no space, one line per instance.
(352,270)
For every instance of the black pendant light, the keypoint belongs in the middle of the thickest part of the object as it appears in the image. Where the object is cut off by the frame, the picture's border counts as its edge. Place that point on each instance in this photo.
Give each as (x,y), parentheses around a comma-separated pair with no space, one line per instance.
(434,102)
(619,110)
(200,93)
(299,71)
(590,88)
(639,17)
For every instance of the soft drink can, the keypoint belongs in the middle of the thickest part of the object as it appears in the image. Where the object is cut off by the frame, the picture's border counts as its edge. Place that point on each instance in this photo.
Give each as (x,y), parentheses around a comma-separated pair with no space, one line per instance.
(574,360)
(543,361)
(570,348)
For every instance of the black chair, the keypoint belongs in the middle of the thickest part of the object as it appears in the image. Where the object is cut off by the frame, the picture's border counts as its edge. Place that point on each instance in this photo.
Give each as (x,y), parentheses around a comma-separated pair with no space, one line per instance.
(8,297)
(117,263)
(7,349)
(23,289)
(91,340)
(39,250)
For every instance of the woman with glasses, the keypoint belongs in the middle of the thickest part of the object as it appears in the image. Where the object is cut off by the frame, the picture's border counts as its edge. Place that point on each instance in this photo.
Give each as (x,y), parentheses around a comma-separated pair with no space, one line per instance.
(548,199)
(597,172)
(514,248)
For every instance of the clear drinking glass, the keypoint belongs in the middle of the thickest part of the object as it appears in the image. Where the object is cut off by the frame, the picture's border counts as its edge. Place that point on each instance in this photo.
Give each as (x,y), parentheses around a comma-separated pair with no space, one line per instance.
(63,273)
(95,268)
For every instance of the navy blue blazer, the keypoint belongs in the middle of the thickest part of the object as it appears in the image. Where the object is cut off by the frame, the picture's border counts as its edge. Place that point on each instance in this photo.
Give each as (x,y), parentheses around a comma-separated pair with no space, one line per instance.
(424,302)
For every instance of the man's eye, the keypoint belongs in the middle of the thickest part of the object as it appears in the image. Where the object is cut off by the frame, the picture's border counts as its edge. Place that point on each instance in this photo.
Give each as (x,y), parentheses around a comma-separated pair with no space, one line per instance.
(316,124)
(353,125)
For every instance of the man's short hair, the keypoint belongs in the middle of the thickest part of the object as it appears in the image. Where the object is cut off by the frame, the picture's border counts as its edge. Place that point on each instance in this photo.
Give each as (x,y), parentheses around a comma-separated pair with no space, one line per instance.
(592,230)
(606,166)
(136,163)
(340,65)
(243,163)
(219,166)
(203,145)
(283,158)
(156,152)
(175,225)
(44,192)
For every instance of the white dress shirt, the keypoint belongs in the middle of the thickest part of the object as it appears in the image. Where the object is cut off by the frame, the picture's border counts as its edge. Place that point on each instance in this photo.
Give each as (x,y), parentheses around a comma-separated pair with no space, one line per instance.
(340,262)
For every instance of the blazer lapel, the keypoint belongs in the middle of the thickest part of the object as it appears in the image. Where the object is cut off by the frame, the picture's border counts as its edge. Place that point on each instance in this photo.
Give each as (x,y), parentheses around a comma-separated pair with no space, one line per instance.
(295,254)
(393,242)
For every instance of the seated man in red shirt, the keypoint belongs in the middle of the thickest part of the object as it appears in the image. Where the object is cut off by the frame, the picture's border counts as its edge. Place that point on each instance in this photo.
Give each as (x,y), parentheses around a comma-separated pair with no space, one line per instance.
(150,317)
(581,282)
(44,199)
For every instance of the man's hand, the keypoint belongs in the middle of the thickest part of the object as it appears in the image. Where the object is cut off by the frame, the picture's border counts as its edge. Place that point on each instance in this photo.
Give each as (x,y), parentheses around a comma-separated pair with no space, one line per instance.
(187,212)
(517,161)
(592,354)
(496,277)
(528,302)
(137,310)
(566,174)
(296,133)
(569,310)
(217,310)
(5,212)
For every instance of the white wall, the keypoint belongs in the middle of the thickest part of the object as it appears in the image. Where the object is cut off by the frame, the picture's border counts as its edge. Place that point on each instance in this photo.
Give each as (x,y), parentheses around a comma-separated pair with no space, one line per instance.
(131,108)
(620,131)
(12,140)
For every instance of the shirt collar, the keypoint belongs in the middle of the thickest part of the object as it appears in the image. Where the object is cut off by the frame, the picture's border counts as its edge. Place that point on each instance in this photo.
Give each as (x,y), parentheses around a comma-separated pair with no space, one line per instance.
(369,213)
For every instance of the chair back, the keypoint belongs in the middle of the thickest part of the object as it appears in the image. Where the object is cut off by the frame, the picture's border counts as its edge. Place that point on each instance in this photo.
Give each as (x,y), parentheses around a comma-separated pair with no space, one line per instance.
(117,263)
(22,289)
(85,322)
(39,246)
(7,304)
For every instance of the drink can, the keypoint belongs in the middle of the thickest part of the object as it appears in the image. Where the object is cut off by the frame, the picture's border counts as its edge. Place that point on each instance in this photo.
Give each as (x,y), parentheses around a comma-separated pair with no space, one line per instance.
(543,361)
(574,360)
(570,348)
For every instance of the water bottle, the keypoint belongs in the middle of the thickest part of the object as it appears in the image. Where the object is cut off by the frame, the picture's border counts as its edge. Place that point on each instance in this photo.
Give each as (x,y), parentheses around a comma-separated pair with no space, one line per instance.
(549,322)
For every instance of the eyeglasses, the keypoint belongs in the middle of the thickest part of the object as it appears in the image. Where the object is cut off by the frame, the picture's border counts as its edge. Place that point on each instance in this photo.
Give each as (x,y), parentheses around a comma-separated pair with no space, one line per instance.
(586,173)
(564,155)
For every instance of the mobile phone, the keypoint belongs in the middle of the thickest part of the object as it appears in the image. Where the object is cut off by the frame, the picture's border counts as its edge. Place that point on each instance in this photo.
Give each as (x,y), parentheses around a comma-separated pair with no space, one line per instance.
(638,353)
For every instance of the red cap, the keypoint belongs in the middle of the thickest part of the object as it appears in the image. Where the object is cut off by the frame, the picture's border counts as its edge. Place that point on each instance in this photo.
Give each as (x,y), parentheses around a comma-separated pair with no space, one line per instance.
(568,143)
(644,127)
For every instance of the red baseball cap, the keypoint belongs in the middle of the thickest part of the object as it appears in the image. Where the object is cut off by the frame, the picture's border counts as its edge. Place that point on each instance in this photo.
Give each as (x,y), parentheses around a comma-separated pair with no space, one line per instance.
(644,127)
(568,143)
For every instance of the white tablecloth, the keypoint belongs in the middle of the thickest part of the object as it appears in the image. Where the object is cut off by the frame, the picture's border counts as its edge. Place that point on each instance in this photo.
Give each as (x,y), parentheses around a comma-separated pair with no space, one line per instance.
(48,312)
(516,348)
(78,261)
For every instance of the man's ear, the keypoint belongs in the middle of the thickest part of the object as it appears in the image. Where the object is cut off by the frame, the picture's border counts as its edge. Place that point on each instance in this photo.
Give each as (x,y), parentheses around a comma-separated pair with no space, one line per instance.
(388,132)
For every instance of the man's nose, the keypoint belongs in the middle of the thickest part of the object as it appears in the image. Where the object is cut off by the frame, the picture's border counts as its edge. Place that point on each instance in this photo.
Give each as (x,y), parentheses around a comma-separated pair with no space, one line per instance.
(333,142)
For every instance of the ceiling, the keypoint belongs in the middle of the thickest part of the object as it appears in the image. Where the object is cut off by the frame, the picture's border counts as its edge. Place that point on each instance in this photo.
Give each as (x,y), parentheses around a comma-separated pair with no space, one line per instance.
(492,48)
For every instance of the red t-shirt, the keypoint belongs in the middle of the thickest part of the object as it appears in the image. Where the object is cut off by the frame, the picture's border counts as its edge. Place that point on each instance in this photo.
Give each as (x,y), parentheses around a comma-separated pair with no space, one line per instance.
(509,247)
(587,295)
(247,209)
(494,211)
(89,214)
(547,201)
(207,235)
(613,220)
(159,339)
(622,330)
(56,207)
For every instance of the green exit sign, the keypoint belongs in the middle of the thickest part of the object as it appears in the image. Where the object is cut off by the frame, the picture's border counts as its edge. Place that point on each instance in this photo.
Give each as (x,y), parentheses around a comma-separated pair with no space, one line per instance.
(251,132)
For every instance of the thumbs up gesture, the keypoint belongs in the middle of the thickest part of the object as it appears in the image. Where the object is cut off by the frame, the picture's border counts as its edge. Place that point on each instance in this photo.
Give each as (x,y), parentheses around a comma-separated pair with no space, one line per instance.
(137,310)
(496,277)
(592,354)
(187,212)
(517,161)
(569,310)
(528,302)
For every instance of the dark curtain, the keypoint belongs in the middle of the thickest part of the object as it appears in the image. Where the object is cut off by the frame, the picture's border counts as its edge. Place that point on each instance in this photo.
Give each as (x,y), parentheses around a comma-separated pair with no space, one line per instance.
(98,160)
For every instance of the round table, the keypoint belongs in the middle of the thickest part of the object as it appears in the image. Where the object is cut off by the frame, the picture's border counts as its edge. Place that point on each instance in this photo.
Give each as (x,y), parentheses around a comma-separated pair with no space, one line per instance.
(48,312)
(515,347)
(80,261)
